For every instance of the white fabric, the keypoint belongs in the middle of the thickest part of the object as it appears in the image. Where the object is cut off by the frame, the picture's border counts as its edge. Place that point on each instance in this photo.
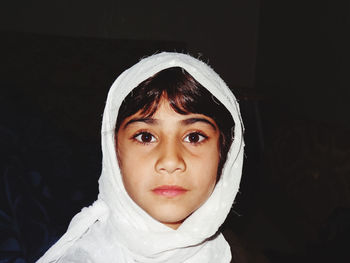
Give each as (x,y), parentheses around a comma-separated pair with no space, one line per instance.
(115,229)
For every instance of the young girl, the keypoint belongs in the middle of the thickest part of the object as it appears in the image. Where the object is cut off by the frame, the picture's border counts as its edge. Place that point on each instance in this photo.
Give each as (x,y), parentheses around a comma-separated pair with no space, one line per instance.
(172,160)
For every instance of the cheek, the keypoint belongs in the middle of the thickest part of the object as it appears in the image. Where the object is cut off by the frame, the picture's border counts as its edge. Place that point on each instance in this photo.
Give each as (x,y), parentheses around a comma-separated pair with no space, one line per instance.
(207,158)
(134,169)
(133,183)
(204,167)
(206,176)
(129,166)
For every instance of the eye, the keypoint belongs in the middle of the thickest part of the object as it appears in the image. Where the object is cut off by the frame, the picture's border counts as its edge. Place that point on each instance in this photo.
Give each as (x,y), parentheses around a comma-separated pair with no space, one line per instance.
(195,137)
(145,137)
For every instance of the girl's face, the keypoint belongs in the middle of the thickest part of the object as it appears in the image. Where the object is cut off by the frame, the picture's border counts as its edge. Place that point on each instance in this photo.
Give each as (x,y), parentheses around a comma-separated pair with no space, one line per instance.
(168,162)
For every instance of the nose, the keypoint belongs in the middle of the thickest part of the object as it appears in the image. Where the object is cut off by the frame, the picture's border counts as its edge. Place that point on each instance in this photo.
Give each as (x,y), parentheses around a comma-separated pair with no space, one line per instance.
(170,158)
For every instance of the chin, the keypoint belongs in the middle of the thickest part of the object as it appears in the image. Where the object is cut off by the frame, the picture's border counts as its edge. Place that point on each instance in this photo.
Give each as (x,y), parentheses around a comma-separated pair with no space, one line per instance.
(169,217)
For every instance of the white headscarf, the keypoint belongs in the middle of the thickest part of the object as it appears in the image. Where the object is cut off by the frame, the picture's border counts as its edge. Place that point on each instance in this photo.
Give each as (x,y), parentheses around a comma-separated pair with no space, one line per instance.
(115,228)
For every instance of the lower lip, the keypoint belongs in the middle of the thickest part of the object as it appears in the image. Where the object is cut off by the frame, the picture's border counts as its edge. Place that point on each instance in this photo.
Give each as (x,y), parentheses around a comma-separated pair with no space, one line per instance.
(169,192)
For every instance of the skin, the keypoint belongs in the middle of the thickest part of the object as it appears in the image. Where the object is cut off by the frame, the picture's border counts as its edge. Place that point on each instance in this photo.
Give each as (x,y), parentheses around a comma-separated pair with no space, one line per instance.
(168,149)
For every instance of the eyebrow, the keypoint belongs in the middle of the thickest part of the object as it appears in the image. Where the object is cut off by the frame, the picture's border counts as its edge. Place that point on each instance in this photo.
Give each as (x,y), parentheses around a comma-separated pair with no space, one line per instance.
(155,121)
(145,120)
(194,120)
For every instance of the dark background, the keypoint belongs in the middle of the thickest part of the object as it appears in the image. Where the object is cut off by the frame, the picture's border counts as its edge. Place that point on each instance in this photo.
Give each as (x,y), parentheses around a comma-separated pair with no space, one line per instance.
(287,62)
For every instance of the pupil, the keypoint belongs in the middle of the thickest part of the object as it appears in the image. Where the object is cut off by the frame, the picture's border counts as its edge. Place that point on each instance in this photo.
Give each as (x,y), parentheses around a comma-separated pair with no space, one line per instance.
(194,137)
(146,137)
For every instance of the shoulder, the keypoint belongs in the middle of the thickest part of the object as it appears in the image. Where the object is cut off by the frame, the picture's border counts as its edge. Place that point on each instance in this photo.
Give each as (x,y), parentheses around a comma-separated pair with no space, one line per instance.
(76,255)
(94,247)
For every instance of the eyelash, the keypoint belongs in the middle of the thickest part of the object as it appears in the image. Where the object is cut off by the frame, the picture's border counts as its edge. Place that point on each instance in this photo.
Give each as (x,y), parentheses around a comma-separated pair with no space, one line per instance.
(202,138)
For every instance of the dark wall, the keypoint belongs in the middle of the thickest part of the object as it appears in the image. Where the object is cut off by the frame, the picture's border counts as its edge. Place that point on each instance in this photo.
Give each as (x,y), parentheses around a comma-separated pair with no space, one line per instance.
(303,58)
(224,32)
(302,78)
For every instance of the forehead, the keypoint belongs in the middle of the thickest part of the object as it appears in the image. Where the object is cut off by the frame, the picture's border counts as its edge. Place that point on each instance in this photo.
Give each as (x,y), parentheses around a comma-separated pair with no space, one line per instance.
(161,106)
(166,107)
(166,115)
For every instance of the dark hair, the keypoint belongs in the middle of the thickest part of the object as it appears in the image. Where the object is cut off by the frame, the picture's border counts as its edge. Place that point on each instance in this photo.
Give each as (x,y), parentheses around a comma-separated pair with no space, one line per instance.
(185,95)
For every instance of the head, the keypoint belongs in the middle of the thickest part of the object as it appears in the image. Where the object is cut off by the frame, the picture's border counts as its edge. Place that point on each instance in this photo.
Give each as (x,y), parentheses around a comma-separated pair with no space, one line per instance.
(172,140)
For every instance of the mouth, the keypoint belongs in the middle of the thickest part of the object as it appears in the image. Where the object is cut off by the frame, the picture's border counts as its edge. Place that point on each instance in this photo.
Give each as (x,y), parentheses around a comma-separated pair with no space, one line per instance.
(169,190)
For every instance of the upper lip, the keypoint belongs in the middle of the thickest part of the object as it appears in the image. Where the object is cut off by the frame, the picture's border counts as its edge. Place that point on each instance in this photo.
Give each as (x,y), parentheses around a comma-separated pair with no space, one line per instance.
(170,187)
